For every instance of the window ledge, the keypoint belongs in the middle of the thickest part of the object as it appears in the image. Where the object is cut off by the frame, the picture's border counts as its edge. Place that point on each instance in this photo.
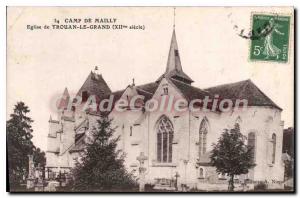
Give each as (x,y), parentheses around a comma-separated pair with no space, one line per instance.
(201,178)
(162,164)
(270,165)
(134,165)
(135,142)
(175,141)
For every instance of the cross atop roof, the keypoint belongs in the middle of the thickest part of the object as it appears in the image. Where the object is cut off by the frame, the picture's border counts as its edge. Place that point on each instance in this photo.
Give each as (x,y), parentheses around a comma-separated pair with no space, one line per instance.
(174,18)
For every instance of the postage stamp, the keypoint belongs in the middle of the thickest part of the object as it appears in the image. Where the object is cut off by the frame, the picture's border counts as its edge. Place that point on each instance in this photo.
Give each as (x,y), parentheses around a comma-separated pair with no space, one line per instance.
(272,42)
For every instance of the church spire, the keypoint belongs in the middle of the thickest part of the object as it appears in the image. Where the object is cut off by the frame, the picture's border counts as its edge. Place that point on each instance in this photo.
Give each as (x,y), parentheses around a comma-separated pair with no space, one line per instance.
(174,58)
(174,67)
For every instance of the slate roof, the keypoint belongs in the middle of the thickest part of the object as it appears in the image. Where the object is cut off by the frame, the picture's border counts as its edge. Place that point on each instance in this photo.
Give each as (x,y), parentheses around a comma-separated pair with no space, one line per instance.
(239,90)
(147,95)
(95,85)
(191,92)
(146,90)
(149,87)
(117,95)
(243,90)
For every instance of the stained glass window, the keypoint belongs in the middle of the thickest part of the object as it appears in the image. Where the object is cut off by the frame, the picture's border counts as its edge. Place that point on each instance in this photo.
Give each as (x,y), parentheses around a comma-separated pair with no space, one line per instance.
(203,136)
(164,140)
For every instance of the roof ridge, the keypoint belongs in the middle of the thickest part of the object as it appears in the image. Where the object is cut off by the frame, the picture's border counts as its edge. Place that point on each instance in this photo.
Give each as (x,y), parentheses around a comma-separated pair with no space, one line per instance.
(217,86)
(263,94)
(117,91)
(137,86)
(189,85)
(244,89)
(147,84)
(244,86)
(144,90)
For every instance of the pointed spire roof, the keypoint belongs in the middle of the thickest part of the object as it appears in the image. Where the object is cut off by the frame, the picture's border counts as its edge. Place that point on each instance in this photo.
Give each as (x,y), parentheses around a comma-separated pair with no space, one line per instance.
(173,58)
(174,62)
(95,85)
(174,68)
(66,93)
(64,100)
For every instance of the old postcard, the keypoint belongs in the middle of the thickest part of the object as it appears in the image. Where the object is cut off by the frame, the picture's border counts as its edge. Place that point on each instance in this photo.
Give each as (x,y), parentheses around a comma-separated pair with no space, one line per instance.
(150,99)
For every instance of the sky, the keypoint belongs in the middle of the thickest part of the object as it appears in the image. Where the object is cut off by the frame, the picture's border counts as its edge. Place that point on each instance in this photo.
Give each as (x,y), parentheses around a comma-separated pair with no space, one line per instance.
(42,62)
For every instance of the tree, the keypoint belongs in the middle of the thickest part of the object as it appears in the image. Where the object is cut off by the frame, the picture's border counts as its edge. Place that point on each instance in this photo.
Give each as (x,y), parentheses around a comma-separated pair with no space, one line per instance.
(231,155)
(19,145)
(39,159)
(101,165)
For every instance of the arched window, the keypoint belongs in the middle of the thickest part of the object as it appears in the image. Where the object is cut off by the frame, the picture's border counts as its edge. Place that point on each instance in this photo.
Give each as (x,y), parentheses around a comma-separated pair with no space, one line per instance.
(165,133)
(251,143)
(203,136)
(273,147)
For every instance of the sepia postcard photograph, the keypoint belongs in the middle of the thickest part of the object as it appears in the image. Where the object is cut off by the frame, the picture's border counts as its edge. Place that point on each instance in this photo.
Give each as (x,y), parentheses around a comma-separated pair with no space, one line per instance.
(150,99)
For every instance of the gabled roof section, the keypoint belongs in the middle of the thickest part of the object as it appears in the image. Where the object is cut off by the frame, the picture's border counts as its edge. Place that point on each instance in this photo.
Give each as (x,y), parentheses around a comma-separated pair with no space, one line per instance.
(117,95)
(147,90)
(149,87)
(95,85)
(174,68)
(190,92)
(243,90)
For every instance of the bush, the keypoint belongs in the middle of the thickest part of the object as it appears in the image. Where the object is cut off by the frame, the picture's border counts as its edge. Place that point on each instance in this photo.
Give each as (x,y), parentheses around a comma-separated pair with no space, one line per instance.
(149,187)
(260,186)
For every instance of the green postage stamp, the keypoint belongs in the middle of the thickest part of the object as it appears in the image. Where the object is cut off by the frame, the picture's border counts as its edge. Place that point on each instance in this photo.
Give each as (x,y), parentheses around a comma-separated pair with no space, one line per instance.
(270,38)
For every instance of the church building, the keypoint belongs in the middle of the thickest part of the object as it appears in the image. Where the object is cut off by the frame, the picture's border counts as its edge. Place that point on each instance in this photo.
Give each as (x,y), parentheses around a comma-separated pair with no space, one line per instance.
(176,145)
